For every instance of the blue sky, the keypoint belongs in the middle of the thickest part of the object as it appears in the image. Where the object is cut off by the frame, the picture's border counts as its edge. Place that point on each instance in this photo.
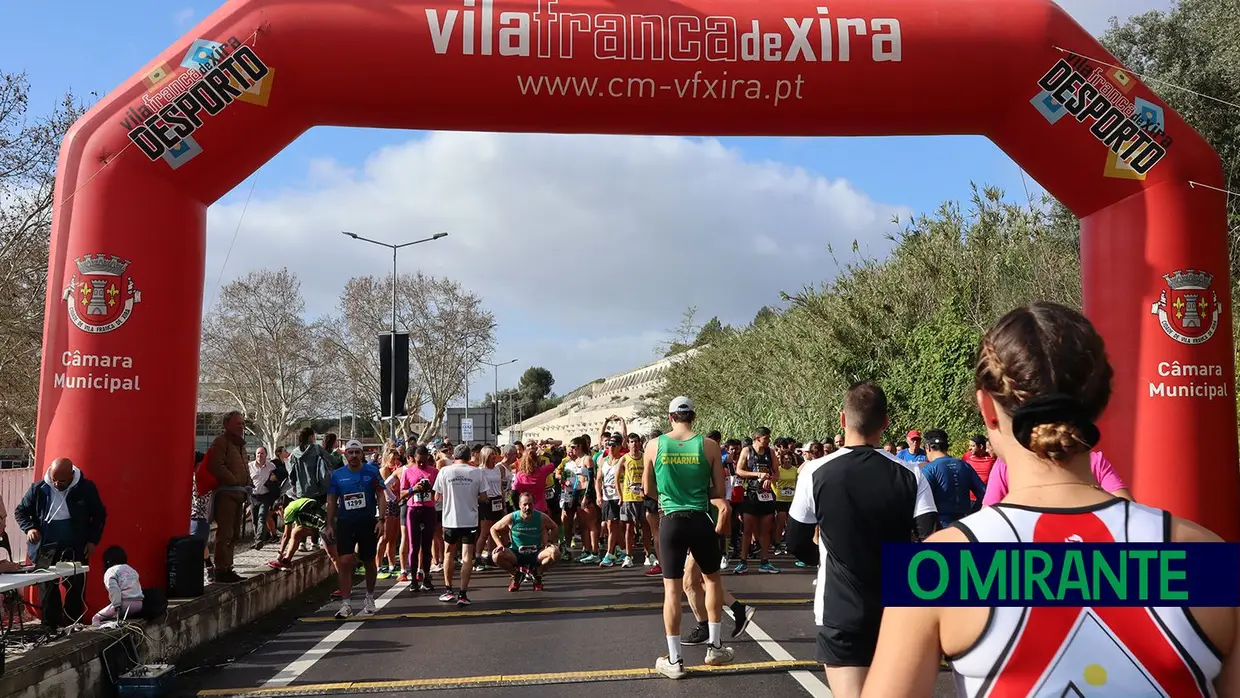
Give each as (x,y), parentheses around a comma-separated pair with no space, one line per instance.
(826,191)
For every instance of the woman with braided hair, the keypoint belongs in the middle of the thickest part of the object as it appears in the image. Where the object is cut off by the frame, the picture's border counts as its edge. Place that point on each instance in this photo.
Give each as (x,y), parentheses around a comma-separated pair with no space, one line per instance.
(1042,381)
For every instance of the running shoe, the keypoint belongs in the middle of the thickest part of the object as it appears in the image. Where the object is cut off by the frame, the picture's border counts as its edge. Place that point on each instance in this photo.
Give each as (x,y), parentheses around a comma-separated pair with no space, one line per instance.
(742,622)
(515,584)
(672,671)
(368,606)
(360,569)
(589,559)
(346,610)
(462,600)
(414,588)
(608,561)
(426,586)
(538,585)
(628,562)
(384,573)
(723,563)
(649,560)
(656,571)
(716,656)
(479,567)
(741,568)
(336,594)
(700,635)
(448,596)
(801,564)
(768,568)
(436,568)
(277,565)
(404,576)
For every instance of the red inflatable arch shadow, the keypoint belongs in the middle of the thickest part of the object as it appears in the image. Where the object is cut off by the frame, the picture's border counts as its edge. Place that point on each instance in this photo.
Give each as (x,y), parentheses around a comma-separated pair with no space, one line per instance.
(138,172)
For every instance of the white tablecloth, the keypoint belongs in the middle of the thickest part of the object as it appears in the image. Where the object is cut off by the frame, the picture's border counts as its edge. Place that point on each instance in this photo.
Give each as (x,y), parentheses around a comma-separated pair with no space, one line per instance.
(10,582)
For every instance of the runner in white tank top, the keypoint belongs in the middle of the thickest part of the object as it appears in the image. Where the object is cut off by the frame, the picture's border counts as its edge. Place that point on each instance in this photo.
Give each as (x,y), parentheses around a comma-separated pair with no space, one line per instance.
(1043,381)
(1083,651)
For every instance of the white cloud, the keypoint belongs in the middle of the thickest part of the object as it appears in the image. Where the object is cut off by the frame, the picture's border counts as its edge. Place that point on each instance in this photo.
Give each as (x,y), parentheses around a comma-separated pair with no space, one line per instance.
(184,16)
(587,248)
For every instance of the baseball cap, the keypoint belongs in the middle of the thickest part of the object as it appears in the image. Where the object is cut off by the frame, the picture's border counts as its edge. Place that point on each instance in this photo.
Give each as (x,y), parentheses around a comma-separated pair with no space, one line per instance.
(680,404)
(914,434)
(353,444)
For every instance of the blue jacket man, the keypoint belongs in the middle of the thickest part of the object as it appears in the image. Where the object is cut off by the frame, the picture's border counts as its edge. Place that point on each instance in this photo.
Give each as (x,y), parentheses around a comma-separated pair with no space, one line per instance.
(951,480)
(62,512)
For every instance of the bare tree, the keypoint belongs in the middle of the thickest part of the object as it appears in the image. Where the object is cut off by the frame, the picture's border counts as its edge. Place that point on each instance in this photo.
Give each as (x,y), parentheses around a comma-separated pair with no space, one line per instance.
(365,311)
(260,354)
(28,150)
(449,332)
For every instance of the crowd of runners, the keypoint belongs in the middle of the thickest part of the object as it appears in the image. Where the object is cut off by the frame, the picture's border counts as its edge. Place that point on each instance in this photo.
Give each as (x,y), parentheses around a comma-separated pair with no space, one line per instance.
(686,506)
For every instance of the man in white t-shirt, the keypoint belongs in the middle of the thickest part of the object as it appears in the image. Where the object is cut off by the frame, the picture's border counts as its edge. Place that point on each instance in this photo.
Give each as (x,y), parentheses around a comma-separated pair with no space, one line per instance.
(460,486)
(855,499)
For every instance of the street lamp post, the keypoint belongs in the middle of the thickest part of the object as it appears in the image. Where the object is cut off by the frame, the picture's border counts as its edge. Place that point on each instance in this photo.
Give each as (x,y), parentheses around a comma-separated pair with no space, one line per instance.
(495,395)
(394,249)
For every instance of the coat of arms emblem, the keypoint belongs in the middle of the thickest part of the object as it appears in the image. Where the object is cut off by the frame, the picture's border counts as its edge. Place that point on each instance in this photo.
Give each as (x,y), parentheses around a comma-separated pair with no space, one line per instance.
(101,295)
(1188,309)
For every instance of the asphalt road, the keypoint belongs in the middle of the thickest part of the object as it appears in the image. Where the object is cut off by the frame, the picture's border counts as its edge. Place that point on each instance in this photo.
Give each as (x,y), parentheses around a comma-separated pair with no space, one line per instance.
(589,625)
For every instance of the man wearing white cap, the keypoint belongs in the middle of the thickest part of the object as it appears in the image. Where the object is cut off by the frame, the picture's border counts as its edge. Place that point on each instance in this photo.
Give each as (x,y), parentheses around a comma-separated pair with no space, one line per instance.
(685,472)
(355,516)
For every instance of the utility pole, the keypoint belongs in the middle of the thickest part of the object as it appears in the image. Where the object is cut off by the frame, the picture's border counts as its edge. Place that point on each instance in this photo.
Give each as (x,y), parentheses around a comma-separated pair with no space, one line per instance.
(392,383)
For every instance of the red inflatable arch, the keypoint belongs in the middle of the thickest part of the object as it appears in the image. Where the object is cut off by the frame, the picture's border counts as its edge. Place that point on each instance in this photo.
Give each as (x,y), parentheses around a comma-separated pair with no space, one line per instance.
(138,172)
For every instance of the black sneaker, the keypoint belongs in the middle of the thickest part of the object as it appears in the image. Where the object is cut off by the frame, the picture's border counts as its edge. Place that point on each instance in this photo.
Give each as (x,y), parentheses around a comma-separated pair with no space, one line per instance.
(414,588)
(426,585)
(462,599)
(227,577)
(741,621)
(700,635)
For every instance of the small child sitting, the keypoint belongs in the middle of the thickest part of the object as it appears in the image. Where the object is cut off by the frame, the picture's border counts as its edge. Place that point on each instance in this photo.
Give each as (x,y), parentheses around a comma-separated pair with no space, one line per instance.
(124,589)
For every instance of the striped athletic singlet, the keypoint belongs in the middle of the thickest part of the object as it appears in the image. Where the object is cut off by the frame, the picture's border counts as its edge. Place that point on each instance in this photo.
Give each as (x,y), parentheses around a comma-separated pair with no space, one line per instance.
(1083,652)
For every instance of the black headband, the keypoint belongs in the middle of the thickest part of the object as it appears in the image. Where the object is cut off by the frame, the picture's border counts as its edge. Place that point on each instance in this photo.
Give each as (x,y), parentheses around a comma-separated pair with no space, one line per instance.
(1053,409)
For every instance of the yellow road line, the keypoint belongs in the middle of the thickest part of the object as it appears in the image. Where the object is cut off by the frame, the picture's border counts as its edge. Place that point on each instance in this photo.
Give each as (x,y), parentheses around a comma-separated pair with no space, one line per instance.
(499,680)
(533,611)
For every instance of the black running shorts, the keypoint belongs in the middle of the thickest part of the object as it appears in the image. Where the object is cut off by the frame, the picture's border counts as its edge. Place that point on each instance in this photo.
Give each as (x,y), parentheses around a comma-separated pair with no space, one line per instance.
(684,532)
(838,647)
(467,536)
(611,509)
(357,537)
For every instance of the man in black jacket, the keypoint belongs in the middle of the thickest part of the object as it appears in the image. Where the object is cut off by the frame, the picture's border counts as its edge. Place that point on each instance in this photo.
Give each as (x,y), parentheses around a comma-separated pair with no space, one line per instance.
(64,514)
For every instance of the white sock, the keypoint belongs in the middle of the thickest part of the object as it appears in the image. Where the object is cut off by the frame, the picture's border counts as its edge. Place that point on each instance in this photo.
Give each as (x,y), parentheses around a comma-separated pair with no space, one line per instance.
(673,648)
(715,630)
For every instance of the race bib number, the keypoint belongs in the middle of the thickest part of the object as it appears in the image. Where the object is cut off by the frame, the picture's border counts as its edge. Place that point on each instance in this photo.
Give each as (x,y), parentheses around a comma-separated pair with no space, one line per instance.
(635,487)
(550,493)
(422,497)
(609,491)
(787,492)
(765,497)
(354,501)
(497,504)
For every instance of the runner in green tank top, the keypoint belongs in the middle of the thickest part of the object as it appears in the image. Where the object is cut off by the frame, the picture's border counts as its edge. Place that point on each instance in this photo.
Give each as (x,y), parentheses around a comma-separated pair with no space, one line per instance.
(534,543)
(685,474)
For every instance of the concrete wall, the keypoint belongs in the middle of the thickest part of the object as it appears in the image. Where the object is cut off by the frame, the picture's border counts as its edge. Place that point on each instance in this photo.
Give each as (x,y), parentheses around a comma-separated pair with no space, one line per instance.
(73,668)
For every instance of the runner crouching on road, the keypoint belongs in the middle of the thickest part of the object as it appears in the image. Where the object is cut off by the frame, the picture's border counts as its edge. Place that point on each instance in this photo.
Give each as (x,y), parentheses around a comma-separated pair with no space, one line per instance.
(685,472)
(460,486)
(356,513)
(534,546)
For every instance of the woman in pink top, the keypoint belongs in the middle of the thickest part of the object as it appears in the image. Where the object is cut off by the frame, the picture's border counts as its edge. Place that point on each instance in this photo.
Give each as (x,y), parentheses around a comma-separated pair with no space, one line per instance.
(531,477)
(417,490)
(1104,473)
